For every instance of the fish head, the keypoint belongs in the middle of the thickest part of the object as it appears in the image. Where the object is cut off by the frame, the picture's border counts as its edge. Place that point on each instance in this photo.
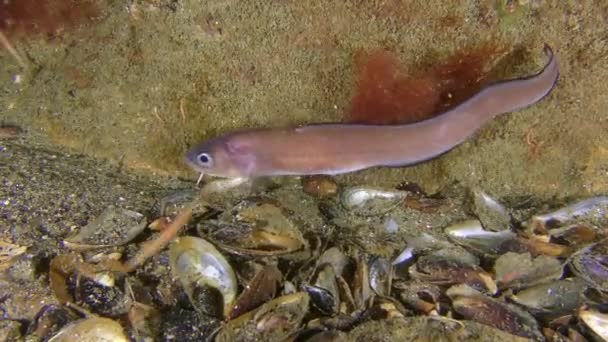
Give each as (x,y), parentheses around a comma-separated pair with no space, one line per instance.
(214,158)
(223,157)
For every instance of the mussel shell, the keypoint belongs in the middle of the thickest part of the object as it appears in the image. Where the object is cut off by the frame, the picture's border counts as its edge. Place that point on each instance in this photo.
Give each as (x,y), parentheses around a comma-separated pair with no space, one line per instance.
(596,321)
(114,227)
(470,234)
(577,235)
(477,307)
(48,321)
(381,276)
(593,211)
(273,321)
(174,203)
(447,271)
(490,212)
(91,329)
(323,299)
(517,271)
(255,228)
(198,264)
(262,287)
(591,265)
(324,292)
(336,258)
(101,299)
(551,300)
(366,201)
(421,296)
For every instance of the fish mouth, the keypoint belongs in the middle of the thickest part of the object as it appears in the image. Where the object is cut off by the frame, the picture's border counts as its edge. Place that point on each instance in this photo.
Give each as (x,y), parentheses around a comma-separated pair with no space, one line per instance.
(192,164)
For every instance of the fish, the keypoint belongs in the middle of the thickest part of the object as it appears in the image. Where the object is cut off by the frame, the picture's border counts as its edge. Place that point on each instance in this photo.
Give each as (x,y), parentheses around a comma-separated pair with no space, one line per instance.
(338,148)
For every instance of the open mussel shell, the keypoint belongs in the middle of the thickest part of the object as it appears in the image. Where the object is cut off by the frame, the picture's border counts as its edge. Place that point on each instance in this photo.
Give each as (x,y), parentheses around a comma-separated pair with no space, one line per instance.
(273,321)
(114,227)
(255,228)
(262,288)
(91,329)
(591,265)
(204,273)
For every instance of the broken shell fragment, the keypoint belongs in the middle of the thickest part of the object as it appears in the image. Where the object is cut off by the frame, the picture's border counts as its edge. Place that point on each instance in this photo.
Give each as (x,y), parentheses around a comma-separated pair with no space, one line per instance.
(200,267)
(114,227)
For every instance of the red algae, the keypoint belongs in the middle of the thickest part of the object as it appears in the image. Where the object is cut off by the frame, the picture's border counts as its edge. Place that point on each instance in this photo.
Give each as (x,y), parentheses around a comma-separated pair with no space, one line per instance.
(47,17)
(385,94)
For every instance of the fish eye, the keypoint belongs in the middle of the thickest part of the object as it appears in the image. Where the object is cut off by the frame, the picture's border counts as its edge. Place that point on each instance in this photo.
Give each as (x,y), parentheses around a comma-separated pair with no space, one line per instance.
(205,159)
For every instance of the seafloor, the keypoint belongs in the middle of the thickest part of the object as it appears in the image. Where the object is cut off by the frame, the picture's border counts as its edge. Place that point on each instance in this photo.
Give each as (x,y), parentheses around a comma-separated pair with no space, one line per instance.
(107,111)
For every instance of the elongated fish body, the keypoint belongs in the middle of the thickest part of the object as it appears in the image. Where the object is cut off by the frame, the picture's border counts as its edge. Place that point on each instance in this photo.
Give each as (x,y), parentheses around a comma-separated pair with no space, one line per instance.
(340,148)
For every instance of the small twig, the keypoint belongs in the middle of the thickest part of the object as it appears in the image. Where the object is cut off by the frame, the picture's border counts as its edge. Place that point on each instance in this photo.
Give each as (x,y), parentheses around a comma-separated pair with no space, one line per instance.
(151,248)
(7,45)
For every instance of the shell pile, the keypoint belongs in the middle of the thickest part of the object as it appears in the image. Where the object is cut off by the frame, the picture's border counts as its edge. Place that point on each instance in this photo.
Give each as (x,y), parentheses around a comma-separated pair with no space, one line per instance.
(297,265)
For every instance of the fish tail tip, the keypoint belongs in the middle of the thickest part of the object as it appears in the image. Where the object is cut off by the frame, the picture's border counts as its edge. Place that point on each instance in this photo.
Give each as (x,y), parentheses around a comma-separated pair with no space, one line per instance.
(548,50)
